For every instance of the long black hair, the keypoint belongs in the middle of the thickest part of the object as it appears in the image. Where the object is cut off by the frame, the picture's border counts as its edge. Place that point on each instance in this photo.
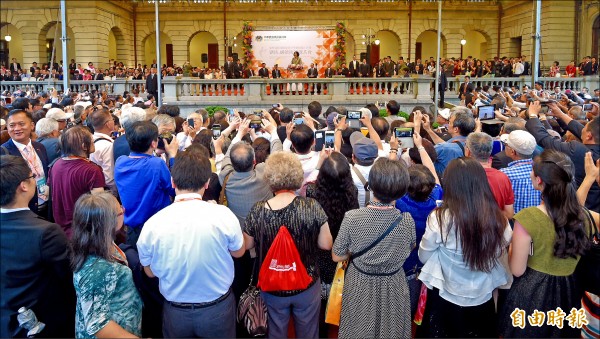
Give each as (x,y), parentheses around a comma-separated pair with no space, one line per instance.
(560,198)
(472,210)
(335,190)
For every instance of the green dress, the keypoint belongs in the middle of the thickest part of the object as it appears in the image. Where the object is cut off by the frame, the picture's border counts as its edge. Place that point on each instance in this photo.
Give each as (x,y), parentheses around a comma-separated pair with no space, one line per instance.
(105,291)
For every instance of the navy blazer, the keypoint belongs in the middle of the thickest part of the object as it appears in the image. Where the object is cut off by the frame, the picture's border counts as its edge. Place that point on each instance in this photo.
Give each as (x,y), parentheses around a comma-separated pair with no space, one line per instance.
(35,273)
(40,150)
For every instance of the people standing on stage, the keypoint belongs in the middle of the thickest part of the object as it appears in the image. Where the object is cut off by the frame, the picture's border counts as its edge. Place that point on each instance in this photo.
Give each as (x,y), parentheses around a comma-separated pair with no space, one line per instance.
(313,73)
(276,74)
(263,72)
(295,67)
(353,67)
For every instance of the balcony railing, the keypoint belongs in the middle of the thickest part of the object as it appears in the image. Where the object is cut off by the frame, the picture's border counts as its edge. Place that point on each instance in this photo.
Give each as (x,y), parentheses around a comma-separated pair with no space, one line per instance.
(256,90)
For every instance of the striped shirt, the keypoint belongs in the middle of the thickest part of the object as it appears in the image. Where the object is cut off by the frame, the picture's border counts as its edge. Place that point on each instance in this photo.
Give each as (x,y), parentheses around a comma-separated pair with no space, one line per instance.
(519,173)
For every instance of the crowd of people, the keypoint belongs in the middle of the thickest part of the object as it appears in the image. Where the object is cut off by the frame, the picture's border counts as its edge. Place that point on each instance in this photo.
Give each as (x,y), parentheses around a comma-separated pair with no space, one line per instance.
(355,68)
(122,219)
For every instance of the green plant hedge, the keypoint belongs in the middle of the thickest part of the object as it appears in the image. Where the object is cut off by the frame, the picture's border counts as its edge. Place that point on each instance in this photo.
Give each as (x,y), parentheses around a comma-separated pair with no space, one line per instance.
(212,109)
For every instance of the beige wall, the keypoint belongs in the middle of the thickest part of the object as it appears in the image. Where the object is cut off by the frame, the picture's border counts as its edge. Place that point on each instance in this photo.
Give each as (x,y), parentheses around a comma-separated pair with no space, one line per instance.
(91,22)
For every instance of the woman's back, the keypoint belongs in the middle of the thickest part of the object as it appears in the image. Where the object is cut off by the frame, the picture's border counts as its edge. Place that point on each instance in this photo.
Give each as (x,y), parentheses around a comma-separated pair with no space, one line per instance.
(303,217)
(541,229)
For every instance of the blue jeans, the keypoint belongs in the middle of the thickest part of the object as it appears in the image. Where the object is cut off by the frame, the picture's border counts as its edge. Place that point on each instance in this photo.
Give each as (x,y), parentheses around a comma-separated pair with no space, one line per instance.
(304,307)
(216,321)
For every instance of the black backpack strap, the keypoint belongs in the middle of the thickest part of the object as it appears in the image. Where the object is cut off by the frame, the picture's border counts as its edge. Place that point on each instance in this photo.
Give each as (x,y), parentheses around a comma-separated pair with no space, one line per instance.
(460,144)
(381,237)
(365,184)
(102,138)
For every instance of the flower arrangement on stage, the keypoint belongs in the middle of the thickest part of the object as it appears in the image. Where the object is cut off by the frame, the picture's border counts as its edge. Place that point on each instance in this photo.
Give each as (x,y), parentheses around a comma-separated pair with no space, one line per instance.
(296,67)
(340,45)
(247,43)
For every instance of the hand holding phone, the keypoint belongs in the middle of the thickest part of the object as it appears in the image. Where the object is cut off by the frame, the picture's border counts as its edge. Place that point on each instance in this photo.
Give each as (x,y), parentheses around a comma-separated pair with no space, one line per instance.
(298,118)
(216,131)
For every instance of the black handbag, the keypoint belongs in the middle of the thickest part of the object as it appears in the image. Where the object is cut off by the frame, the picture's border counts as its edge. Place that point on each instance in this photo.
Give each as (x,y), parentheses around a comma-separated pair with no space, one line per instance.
(588,267)
(252,310)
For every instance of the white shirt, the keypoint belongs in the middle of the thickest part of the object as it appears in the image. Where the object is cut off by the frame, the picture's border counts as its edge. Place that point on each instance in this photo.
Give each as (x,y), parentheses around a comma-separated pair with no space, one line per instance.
(446,270)
(364,170)
(309,162)
(11,210)
(187,245)
(103,157)
(518,68)
(184,140)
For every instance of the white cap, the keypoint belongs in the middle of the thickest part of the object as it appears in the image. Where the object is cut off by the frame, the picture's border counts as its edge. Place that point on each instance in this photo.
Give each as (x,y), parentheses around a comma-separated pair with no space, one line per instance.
(58,114)
(83,103)
(444,113)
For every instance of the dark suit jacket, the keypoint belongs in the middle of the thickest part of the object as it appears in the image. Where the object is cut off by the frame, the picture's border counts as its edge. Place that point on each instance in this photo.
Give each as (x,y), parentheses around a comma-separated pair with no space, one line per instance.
(344,71)
(388,69)
(229,70)
(35,273)
(506,70)
(40,150)
(12,67)
(238,71)
(329,72)
(443,82)
(312,73)
(364,70)
(152,83)
(462,88)
(353,67)
(587,68)
(263,72)
(78,77)
(99,76)
(276,73)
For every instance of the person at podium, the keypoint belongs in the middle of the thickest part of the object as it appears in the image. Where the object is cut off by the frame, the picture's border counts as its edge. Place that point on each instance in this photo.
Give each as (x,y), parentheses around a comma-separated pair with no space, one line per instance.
(295,70)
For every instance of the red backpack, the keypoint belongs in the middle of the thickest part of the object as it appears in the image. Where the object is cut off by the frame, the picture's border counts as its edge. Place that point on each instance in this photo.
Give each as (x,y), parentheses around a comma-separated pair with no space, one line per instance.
(282,269)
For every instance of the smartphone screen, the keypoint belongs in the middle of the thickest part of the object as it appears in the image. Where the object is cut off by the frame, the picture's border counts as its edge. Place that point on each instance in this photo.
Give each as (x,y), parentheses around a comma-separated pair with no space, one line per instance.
(486,112)
(298,118)
(353,119)
(216,131)
(405,136)
(587,107)
(191,122)
(258,113)
(275,105)
(329,139)
(319,140)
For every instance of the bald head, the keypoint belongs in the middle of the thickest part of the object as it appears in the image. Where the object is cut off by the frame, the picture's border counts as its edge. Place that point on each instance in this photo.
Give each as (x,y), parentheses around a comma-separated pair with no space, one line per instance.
(242,157)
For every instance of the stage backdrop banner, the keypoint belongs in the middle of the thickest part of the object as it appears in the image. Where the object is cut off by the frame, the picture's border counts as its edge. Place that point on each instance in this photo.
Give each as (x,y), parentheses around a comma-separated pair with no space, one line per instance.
(278,47)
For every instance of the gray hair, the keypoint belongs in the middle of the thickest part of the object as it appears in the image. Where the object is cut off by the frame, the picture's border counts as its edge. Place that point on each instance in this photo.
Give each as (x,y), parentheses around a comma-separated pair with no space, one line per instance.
(46,126)
(203,113)
(463,120)
(514,124)
(480,146)
(163,120)
(131,115)
(242,157)
(78,111)
(578,113)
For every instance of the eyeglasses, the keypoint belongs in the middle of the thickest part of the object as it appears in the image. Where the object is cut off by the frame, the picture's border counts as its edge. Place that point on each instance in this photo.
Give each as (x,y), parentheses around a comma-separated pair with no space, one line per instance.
(29,177)
(122,212)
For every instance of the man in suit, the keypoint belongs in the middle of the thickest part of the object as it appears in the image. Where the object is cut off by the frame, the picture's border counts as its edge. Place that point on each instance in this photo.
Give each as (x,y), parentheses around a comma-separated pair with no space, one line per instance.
(313,73)
(20,126)
(263,72)
(33,67)
(229,68)
(238,70)
(364,70)
(586,68)
(353,67)
(388,71)
(442,85)
(329,72)
(462,90)
(77,75)
(15,66)
(35,269)
(276,74)
(152,83)
(344,71)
